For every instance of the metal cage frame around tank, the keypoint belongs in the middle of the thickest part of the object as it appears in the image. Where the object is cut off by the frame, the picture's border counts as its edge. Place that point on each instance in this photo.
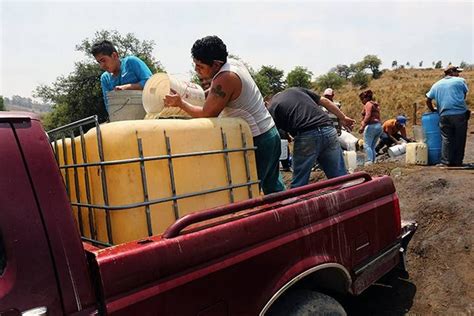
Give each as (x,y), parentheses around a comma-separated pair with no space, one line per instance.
(60,134)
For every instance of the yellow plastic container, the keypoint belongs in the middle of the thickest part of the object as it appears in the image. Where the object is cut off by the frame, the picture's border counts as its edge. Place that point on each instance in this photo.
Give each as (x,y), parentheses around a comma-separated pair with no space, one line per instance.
(72,176)
(416,154)
(208,174)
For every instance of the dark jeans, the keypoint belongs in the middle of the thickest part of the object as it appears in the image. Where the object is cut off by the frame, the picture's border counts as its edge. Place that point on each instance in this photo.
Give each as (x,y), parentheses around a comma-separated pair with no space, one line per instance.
(267,156)
(453,138)
(386,140)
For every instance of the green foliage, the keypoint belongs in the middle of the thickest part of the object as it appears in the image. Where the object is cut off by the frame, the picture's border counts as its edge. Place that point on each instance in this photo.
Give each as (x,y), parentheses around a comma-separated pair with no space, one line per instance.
(420,64)
(79,94)
(263,84)
(58,117)
(371,62)
(394,64)
(343,71)
(329,80)
(299,77)
(438,64)
(269,80)
(2,106)
(360,79)
(75,96)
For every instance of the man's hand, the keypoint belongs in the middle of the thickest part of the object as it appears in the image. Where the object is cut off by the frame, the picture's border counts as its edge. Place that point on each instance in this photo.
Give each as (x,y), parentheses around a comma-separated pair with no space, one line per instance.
(173,100)
(123,87)
(129,86)
(348,123)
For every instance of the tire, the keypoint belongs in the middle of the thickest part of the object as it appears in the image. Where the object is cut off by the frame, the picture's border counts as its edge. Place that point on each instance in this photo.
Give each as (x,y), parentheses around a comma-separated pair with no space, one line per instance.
(306,303)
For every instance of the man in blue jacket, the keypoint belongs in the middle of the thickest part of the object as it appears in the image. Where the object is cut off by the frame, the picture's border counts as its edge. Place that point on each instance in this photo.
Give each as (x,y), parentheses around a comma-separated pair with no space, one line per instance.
(450,96)
(128,73)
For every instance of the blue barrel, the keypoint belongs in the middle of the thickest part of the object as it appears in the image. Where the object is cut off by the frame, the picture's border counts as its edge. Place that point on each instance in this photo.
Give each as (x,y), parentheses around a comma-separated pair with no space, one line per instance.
(432,134)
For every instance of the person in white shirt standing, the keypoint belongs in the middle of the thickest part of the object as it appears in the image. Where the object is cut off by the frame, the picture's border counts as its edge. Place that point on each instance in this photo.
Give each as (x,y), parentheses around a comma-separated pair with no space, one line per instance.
(233,93)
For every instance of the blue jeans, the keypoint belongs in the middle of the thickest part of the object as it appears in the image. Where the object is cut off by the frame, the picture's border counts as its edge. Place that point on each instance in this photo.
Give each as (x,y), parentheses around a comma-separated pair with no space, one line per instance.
(372,133)
(322,145)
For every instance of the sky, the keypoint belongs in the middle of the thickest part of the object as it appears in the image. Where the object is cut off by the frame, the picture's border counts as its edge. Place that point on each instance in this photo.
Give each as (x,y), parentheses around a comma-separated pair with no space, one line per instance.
(38,38)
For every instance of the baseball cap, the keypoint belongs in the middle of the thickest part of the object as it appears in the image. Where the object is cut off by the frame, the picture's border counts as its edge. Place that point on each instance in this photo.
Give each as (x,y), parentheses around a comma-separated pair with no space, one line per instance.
(328,91)
(450,68)
(401,120)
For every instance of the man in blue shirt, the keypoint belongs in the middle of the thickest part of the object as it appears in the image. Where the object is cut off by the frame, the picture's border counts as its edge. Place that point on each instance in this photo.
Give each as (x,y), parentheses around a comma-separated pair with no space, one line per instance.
(128,73)
(450,95)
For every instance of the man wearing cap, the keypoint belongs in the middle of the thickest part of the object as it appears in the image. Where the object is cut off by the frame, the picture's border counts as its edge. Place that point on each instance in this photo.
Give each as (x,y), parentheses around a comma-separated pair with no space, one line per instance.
(449,94)
(393,131)
(329,94)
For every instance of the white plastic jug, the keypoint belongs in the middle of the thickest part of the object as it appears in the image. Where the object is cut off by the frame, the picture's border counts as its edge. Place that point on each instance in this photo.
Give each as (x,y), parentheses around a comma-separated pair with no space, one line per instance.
(397,150)
(159,85)
(284,149)
(350,160)
(347,140)
(417,154)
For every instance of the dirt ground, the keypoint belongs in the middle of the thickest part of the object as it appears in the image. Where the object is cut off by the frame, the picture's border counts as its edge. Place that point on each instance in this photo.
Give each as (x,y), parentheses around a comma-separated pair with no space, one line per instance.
(440,279)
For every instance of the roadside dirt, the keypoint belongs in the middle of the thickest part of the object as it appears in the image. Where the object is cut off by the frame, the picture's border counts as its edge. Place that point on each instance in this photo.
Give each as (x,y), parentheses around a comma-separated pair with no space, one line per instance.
(440,279)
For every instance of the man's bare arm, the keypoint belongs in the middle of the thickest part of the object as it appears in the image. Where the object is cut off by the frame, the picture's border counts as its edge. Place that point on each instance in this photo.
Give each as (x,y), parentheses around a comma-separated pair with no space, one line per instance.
(346,121)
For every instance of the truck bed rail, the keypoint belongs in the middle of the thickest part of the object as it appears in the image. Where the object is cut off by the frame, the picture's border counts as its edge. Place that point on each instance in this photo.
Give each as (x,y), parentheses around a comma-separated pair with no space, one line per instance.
(175,229)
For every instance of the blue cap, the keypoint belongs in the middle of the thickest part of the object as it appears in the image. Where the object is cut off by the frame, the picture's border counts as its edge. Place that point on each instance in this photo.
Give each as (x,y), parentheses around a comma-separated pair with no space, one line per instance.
(401,120)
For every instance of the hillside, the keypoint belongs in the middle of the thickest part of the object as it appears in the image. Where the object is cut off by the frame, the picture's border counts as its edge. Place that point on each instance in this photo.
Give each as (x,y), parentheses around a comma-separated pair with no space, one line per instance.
(397,91)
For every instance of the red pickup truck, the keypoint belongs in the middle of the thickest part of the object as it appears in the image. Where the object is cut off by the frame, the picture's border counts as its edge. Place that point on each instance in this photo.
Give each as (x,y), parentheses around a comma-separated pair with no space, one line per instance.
(280,254)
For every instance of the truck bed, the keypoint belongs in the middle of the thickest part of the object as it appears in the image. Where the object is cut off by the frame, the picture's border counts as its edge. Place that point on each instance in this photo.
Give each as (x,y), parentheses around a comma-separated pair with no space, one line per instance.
(250,247)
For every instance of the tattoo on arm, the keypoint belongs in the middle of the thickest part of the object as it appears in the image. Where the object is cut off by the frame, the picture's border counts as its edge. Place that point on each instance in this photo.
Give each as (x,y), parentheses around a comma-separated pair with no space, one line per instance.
(218,91)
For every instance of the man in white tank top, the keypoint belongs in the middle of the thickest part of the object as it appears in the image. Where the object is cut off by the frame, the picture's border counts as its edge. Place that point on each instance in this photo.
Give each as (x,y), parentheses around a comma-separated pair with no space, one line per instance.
(233,93)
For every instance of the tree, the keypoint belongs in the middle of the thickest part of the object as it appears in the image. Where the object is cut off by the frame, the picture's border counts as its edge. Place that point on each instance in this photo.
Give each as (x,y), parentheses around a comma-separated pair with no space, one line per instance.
(299,77)
(343,71)
(79,94)
(270,79)
(408,64)
(329,80)
(263,84)
(420,64)
(438,65)
(394,64)
(2,106)
(360,79)
(373,63)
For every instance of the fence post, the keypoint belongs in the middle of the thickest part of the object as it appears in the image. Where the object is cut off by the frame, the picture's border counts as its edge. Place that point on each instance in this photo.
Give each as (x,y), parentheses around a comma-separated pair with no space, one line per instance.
(414,113)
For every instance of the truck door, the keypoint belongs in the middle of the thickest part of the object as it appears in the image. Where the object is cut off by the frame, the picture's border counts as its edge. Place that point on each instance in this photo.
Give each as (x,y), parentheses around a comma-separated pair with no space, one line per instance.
(27,274)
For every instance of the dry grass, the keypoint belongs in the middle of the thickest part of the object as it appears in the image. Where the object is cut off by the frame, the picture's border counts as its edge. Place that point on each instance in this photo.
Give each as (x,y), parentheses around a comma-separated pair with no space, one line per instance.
(397,91)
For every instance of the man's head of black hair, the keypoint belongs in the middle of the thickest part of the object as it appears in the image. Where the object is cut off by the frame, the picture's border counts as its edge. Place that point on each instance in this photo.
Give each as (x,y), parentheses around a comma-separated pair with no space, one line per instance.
(103,47)
(209,49)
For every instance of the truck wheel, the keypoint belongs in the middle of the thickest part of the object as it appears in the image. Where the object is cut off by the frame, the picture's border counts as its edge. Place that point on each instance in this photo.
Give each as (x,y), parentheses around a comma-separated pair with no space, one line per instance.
(306,303)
